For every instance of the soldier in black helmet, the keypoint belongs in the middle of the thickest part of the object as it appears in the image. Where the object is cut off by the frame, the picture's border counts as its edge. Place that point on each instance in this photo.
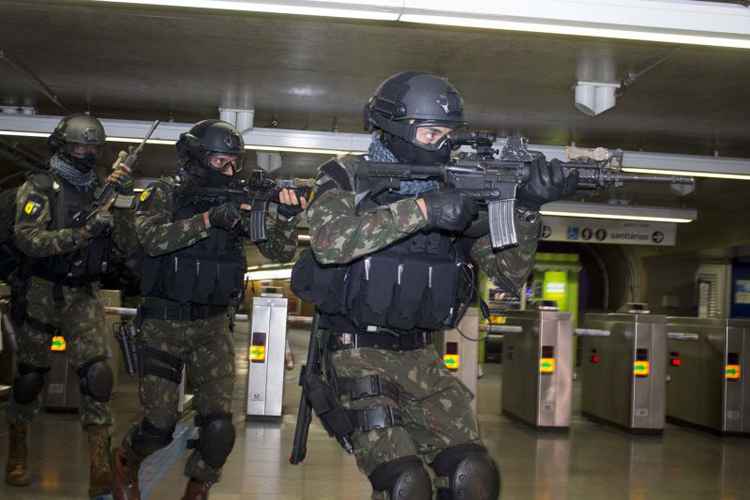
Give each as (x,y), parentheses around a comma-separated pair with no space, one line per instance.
(384,274)
(65,254)
(192,276)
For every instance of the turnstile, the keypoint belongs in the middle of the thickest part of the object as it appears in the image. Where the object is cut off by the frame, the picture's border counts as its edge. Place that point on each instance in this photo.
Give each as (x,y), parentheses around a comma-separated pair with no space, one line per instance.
(706,385)
(62,392)
(460,350)
(265,374)
(537,367)
(623,368)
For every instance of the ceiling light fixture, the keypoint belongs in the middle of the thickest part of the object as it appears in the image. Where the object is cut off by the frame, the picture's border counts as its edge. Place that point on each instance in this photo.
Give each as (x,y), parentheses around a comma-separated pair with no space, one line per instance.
(290,149)
(576,29)
(136,140)
(691,173)
(382,10)
(619,212)
(23,134)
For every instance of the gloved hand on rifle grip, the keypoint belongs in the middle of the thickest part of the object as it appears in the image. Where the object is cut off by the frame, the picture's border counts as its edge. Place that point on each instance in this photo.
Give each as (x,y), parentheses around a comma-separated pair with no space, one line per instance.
(449,210)
(100,222)
(224,216)
(122,181)
(547,182)
(290,204)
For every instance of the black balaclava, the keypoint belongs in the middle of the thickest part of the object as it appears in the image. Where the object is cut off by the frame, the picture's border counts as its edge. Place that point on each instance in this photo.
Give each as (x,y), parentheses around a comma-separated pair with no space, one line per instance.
(406,152)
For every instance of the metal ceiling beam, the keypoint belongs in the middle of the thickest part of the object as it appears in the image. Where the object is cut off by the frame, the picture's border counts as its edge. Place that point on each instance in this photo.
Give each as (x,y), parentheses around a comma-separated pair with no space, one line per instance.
(671,21)
(305,141)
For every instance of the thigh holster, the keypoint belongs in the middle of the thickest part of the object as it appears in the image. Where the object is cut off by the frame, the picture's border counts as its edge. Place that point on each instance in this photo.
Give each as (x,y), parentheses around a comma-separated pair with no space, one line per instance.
(160,364)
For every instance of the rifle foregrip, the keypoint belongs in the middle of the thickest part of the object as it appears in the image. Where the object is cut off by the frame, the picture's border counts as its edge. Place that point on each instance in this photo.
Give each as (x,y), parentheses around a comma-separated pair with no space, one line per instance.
(502,223)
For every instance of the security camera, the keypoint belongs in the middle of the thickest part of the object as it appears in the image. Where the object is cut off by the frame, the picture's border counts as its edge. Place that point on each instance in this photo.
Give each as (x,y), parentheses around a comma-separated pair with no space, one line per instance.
(594,98)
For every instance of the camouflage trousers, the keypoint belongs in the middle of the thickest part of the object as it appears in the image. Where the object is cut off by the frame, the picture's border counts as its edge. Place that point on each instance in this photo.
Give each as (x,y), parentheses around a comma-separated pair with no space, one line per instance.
(79,316)
(435,406)
(205,347)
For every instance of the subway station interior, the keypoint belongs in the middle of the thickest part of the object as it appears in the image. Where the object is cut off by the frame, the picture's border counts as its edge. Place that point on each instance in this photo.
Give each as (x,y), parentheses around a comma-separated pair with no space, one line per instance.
(618,371)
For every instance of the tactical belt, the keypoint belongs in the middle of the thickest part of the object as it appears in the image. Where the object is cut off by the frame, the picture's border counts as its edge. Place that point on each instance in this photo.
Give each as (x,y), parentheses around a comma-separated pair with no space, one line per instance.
(401,342)
(153,308)
(370,386)
(378,417)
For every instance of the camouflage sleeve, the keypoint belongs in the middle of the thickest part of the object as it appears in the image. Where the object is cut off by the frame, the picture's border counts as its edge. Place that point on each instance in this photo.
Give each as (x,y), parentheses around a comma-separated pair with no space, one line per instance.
(32,236)
(155,228)
(123,233)
(510,268)
(338,234)
(281,244)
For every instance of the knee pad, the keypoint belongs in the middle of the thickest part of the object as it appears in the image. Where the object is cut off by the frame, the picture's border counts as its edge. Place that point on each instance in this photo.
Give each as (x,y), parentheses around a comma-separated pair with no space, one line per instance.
(146,438)
(216,438)
(96,379)
(403,479)
(472,473)
(28,383)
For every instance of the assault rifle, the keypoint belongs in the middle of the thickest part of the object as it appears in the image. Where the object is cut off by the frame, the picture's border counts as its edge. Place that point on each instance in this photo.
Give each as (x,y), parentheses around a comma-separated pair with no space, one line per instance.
(107,195)
(258,191)
(492,177)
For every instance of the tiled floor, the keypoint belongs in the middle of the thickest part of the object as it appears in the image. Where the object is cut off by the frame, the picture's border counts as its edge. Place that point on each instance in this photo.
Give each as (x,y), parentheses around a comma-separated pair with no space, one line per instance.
(591,462)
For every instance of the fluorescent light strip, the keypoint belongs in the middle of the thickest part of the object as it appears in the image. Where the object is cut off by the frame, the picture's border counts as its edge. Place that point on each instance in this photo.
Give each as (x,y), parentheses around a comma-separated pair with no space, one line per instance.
(589,215)
(273,8)
(301,150)
(135,140)
(589,31)
(23,134)
(711,175)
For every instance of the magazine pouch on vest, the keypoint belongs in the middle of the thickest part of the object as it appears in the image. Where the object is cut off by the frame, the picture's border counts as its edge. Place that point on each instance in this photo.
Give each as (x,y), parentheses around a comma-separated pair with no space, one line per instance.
(209,272)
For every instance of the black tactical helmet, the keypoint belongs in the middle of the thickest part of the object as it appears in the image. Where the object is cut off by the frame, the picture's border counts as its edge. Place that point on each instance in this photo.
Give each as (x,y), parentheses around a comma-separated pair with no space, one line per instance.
(209,136)
(77,129)
(409,100)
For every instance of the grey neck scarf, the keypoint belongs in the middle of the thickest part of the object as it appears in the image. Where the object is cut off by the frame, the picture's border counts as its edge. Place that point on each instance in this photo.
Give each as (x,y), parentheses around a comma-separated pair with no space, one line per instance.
(83,182)
(378,152)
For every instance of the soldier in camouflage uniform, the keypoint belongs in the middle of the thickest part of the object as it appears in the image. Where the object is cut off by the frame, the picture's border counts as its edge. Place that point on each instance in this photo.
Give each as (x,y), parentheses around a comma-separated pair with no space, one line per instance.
(386,273)
(65,256)
(192,277)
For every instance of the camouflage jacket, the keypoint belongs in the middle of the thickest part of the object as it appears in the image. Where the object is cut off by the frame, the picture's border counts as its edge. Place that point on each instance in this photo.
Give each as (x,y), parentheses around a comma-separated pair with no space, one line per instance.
(340,233)
(34,206)
(160,234)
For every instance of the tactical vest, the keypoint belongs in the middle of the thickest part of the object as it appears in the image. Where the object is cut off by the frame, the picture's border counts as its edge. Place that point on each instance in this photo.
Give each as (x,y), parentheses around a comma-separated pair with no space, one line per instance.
(209,272)
(85,265)
(422,282)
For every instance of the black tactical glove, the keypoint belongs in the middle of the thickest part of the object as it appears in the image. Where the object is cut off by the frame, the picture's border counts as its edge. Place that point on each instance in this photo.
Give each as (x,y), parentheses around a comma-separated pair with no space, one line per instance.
(547,182)
(449,210)
(289,211)
(100,222)
(122,181)
(224,216)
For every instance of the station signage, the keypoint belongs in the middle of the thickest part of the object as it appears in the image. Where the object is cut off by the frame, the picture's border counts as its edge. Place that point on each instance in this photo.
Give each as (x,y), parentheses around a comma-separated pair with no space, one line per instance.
(611,232)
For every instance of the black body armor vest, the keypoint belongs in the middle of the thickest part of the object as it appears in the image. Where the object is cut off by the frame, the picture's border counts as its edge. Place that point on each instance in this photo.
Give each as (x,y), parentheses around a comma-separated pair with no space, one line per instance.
(209,272)
(85,265)
(422,282)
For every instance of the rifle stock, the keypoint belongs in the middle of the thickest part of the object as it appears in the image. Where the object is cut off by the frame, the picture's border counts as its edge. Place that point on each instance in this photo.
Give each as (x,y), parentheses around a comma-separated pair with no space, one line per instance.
(304,413)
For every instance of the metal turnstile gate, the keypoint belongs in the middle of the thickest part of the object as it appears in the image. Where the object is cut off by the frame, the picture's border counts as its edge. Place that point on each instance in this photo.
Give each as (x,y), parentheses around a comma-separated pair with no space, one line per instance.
(623,370)
(265,374)
(62,392)
(706,385)
(537,367)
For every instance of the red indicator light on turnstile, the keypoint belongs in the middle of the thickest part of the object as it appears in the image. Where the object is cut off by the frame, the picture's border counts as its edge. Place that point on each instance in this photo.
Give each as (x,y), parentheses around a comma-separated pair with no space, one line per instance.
(595,358)
(674,358)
